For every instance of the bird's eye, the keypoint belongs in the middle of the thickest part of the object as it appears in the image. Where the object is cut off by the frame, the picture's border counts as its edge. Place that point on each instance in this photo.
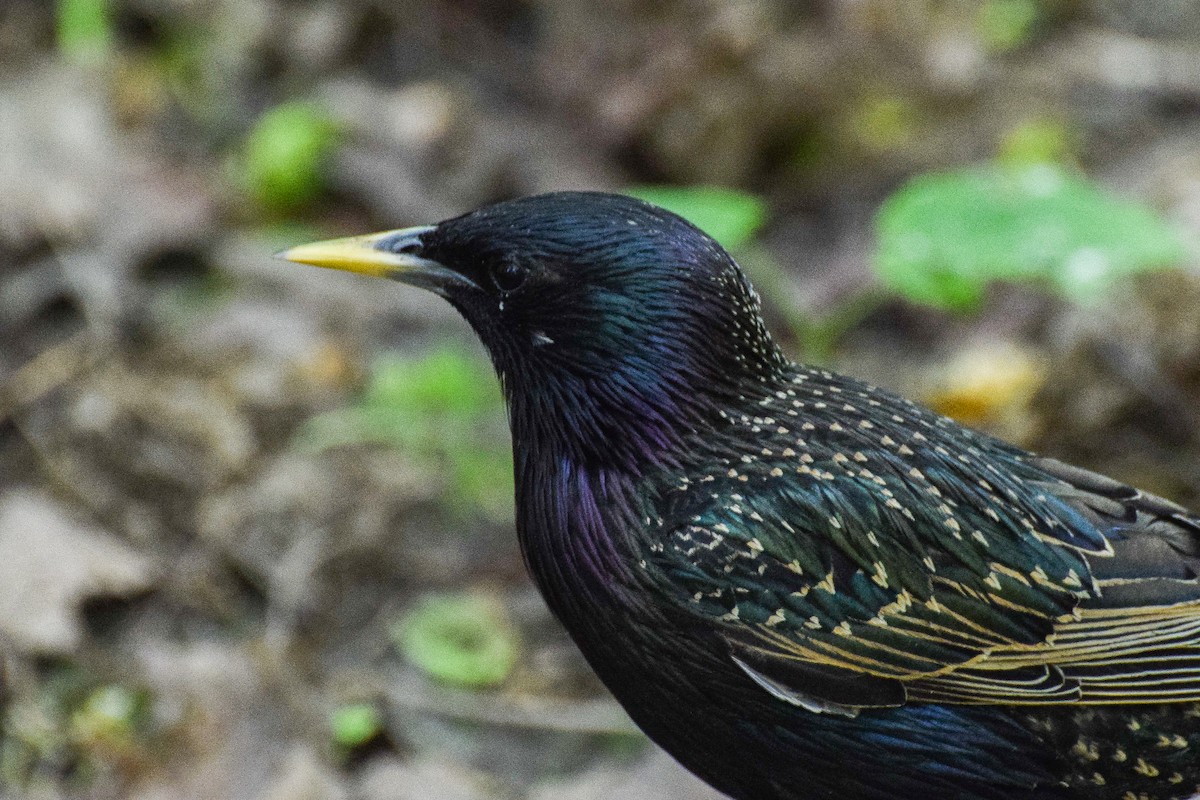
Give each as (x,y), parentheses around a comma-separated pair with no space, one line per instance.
(509,275)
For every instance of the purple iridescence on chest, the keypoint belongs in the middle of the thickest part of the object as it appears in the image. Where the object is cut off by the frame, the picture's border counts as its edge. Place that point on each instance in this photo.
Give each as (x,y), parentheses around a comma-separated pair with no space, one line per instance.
(574,525)
(579,517)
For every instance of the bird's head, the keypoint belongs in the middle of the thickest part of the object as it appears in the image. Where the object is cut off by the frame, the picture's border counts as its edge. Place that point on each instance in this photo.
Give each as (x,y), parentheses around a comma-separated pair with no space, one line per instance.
(614,325)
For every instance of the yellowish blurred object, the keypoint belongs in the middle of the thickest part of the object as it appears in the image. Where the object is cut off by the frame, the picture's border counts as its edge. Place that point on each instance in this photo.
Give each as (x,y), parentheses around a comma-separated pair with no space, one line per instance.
(990,386)
(329,366)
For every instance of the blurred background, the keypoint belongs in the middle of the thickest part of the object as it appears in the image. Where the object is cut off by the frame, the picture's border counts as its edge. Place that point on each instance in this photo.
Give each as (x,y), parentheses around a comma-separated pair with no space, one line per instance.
(255,519)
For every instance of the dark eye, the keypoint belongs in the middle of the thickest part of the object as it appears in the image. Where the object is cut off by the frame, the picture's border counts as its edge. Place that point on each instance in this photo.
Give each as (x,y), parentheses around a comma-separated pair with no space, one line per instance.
(509,275)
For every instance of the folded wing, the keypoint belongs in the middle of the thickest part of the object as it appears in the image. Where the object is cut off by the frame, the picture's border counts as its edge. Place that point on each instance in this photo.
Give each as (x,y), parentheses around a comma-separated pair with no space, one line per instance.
(1040,584)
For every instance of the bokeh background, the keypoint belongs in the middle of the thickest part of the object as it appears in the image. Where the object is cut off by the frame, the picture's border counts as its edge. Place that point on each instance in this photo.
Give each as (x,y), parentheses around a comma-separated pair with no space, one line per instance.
(255,519)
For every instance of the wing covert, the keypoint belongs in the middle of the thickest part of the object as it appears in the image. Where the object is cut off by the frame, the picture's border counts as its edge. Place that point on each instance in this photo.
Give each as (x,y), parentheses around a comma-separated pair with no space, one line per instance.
(857,585)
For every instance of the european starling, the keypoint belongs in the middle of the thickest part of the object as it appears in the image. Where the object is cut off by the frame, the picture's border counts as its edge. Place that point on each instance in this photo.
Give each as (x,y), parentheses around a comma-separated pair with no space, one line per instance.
(799,585)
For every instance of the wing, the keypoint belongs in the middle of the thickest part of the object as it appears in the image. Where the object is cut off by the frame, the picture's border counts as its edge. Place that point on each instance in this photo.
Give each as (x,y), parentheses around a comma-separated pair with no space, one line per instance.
(1137,639)
(980,576)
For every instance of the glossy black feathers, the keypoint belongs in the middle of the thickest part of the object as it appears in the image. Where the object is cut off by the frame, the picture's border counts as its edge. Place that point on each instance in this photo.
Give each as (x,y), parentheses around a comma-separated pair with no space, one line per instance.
(800,585)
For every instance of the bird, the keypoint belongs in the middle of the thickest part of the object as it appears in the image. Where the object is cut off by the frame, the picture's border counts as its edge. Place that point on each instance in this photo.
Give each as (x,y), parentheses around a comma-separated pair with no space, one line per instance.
(800,585)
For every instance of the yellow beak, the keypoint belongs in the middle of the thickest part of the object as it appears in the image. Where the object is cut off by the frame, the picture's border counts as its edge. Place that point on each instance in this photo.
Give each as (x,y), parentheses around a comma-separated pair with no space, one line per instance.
(391,254)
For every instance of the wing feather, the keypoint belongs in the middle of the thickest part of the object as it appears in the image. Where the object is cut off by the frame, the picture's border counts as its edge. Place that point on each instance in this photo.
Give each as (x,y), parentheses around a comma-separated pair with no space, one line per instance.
(1045,584)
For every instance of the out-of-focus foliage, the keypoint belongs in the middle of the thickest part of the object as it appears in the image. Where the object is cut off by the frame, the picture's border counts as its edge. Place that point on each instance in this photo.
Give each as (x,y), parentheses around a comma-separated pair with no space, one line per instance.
(944,237)
(729,216)
(85,28)
(283,164)
(989,385)
(1041,140)
(73,727)
(885,122)
(1007,24)
(354,725)
(442,409)
(461,639)
(109,717)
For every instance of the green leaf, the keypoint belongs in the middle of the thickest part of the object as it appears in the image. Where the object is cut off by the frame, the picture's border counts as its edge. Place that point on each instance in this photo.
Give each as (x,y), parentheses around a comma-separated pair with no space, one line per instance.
(462,639)
(354,725)
(484,478)
(1005,25)
(442,409)
(109,714)
(886,123)
(731,217)
(85,28)
(285,155)
(1036,141)
(446,380)
(944,237)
